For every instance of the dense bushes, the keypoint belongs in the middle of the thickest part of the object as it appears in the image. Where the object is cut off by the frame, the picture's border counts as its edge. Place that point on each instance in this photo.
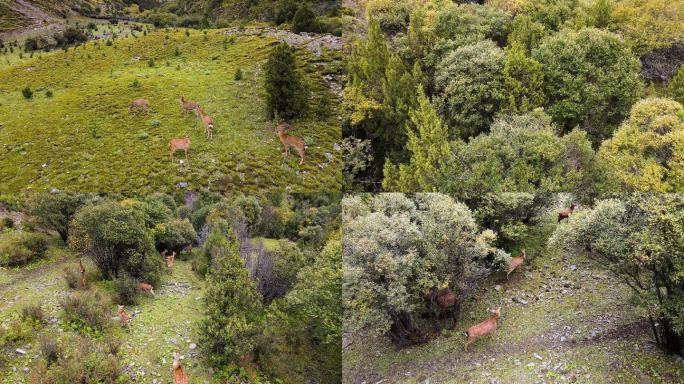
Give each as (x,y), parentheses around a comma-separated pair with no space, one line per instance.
(87,312)
(286,89)
(55,210)
(19,247)
(174,235)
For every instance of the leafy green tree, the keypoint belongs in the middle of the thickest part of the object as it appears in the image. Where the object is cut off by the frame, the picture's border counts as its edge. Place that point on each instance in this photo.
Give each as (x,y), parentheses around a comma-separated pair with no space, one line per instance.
(640,238)
(55,210)
(647,152)
(591,80)
(174,235)
(553,14)
(233,312)
(527,32)
(524,81)
(600,13)
(470,87)
(305,20)
(675,86)
(286,89)
(647,25)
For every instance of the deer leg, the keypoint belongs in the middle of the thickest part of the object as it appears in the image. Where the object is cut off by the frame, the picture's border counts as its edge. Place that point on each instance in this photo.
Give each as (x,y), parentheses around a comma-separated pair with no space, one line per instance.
(468,342)
(186,154)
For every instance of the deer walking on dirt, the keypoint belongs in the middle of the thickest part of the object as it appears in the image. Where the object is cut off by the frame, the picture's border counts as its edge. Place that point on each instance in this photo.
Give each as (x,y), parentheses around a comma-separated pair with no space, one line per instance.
(565,213)
(188,105)
(180,144)
(179,376)
(82,270)
(168,258)
(140,104)
(146,288)
(290,141)
(208,123)
(515,262)
(125,317)
(482,328)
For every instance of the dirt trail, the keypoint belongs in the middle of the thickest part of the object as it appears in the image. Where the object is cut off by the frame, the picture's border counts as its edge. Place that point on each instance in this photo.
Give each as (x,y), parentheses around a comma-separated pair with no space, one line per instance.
(42,22)
(36,273)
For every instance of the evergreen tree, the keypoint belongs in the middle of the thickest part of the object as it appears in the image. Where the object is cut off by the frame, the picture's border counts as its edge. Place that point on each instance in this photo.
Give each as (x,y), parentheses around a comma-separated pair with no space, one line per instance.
(523,79)
(305,20)
(286,91)
(676,85)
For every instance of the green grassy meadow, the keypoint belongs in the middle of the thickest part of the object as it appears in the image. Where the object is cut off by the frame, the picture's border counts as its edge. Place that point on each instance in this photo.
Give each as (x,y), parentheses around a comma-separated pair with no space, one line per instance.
(83,138)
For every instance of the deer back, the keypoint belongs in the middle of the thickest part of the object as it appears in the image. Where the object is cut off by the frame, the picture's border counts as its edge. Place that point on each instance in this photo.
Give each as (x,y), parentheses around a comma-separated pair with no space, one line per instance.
(180,143)
(484,327)
(446,298)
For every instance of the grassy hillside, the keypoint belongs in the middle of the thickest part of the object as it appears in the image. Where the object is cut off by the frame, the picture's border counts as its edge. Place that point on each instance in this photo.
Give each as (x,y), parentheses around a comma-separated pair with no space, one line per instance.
(83,138)
(563,319)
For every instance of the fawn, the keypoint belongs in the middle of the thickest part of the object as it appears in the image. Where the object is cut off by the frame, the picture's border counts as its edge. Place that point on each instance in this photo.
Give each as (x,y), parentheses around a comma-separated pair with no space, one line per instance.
(82,270)
(125,317)
(515,262)
(180,144)
(146,288)
(188,106)
(208,123)
(565,213)
(483,328)
(168,258)
(140,104)
(290,141)
(179,376)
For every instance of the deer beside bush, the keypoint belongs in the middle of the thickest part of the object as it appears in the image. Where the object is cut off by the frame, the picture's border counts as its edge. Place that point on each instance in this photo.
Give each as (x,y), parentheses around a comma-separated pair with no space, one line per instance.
(146,288)
(482,328)
(567,212)
(290,141)
(515,262)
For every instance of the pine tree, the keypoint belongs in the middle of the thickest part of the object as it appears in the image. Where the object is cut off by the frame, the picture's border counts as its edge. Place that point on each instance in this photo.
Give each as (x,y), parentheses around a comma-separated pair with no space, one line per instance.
(523,80)
(304,20)
(286,91)
(233,305)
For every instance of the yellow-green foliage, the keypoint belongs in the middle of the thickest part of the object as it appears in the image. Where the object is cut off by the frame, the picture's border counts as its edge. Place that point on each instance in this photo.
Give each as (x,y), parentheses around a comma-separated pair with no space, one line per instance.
(649,24)
(84,138)
(647,152)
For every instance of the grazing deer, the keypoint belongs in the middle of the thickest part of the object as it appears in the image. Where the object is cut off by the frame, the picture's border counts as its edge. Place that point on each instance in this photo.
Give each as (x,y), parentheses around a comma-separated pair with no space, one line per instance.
(179,376)
(208,123)
(125,317)
(140,104)
(515,262)
(180,144)
(188,106)
(290,141)
(565,213)
(146,288)
(169,258)
(483,328)
(81,269)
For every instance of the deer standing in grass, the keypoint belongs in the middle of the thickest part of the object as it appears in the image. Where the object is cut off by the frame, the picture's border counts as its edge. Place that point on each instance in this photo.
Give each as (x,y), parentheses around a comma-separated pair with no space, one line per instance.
(81,269)
(188,106)
(169,259)
(141,104)
(567,212)
(180,144)
(483,328)
(290,141)
(179,376)
(125,317)
(146,288)
(515,262)
(208,123)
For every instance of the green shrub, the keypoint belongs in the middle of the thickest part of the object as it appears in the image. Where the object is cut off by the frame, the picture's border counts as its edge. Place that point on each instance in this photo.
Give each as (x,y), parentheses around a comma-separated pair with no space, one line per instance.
(174,235)
(34,313)
(72,277)
(55,210)
(238,75)
(87,312)
(27,92)
(49,348)
(126,290)
(305,20)
(286,90)
(48,94)
(19,247)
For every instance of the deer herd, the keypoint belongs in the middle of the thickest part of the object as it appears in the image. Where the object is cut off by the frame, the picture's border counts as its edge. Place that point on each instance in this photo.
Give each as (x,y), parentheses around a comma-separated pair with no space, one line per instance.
(183,144)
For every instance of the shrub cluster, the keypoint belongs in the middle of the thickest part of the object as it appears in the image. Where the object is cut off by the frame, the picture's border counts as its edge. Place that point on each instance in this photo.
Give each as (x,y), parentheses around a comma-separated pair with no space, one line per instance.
(20,247)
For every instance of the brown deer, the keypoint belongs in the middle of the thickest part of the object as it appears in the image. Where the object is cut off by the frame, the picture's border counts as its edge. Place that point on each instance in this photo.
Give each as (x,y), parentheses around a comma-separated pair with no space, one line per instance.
(188,106)
(290,141)
(169,258)
(125,317)
(565,213)
(445,299)
(482,328)
(82,270)
(208,123)
(141,104)
(515,262)
(179,376)
(146,288)
(180,144)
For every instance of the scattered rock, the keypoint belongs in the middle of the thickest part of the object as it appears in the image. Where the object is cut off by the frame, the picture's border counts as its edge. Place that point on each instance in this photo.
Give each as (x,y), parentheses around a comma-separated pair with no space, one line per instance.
(497,287)
(20,351)
(537,356)
(573,267)
(520,301)
(193,346)
(26,370)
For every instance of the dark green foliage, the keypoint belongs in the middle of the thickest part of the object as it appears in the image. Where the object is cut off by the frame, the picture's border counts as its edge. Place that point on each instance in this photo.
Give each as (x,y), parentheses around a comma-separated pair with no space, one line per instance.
(305,20)
(87,311)
(49,348)
(286,90)
(55,210)
(27,93)
(71,36)
(48,94)
(251,210)
(238,75)
(174,235)
(19,247)
(34,313)
(126,290)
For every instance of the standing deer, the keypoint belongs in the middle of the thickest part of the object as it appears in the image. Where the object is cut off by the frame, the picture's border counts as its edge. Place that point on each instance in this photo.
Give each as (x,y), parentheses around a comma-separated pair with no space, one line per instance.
(290,141)
(180,144)
(125,317)
(208,123)
(445,299)
(188,106)
(169,258)
(146,288)
(142,104)
(483,328)
(82,270)
(179,376)
(515,262)
(565,213)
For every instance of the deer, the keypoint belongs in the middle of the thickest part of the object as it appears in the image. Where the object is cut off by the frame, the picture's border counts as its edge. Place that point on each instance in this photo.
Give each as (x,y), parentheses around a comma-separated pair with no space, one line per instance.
(82,270)
(565,213)
(169,258)
(445,299)
(290,141)
(515,262)
(483,328)
(140,104)
(208,123)
(188,106)
(179,376)
(125,317)
(146,288)
(180,144)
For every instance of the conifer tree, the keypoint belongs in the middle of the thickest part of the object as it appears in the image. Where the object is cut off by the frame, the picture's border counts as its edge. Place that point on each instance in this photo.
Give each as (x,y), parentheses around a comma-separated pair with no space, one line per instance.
(286,91)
